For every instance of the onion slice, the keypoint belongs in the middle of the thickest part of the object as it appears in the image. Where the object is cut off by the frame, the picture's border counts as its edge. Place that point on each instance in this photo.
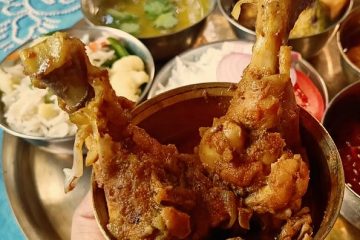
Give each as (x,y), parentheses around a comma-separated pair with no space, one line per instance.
(72,175)
(231,67)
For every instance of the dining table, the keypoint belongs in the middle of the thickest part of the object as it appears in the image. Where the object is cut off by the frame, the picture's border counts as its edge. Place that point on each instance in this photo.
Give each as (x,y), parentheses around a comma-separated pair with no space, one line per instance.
(23,20)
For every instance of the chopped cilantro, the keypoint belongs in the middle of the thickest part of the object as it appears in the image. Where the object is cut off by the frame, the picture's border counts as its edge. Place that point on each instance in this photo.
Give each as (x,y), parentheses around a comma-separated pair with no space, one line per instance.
(166,20)
(163,13)
(154,8)
(122,16)
(132,28)
(125,21)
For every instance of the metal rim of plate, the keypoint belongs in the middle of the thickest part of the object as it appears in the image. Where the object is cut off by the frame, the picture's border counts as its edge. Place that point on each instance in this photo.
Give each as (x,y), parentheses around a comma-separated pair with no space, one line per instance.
(34,183)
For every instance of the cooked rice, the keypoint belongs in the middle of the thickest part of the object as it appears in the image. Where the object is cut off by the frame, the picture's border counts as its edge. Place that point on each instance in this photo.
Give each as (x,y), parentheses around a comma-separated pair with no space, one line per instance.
(22,104)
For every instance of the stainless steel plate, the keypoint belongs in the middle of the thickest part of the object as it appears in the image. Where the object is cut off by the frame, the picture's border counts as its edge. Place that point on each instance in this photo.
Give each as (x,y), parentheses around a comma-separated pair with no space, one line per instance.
(35,186)
(34,178)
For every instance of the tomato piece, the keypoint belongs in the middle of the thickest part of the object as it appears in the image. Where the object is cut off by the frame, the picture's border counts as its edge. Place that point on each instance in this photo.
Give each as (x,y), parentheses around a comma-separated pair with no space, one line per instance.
(308,96)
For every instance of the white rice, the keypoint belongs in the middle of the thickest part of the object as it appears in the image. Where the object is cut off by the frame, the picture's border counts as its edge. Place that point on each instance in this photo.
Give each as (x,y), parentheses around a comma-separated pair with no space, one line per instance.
(23,103)
(201,69)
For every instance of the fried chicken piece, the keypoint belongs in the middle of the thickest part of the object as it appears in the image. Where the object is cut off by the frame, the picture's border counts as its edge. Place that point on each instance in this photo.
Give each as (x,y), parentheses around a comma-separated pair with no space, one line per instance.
(152,191)
(252,146)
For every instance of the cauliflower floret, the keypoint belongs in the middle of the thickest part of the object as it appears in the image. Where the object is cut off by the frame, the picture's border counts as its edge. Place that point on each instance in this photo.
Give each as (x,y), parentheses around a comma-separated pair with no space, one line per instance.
(128,63)
(127,75)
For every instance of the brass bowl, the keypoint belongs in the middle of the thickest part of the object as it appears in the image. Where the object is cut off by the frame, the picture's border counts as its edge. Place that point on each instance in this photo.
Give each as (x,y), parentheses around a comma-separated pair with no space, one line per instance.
(346,100)
(308,46)
(162,47)
(175,117)
(345,34)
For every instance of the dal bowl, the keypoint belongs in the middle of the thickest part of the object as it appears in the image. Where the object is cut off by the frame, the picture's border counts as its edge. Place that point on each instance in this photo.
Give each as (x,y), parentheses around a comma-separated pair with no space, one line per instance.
(342,120)
(64,144)
(175,117)
(308,46)
(162,46)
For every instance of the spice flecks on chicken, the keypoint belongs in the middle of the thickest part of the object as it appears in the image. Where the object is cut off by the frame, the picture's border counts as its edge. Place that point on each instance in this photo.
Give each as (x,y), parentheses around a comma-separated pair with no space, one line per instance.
(247,166)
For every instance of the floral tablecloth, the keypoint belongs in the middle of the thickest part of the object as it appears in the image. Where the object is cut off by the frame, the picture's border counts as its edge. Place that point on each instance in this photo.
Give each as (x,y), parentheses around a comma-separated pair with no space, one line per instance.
(20,21)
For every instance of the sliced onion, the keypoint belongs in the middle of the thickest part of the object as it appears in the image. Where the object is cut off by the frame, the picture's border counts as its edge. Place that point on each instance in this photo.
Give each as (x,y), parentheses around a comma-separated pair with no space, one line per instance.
(72,175)
(231,67)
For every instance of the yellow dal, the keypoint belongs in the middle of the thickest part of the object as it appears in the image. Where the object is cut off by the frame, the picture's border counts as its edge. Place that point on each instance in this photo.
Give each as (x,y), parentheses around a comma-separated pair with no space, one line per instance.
(188,12)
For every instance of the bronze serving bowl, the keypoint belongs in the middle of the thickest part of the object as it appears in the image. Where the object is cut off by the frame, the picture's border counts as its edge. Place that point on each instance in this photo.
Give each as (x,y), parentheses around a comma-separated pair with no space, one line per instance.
(349,30)
(308,46)
(175,117)
(162,47)
(345,103)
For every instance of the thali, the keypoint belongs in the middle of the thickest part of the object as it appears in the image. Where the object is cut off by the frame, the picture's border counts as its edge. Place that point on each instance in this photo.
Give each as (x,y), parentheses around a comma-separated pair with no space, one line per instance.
(34,177)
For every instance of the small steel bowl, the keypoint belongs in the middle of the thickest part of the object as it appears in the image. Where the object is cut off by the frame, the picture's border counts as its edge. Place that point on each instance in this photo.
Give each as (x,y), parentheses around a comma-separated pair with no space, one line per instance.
(166,117)
(65,144)
(308,46)
(349,27)
(347,99)
(162,47)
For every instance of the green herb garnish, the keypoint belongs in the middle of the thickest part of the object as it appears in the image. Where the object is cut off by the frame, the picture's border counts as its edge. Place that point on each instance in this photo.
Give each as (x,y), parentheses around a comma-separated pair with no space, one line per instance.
(154,8)
(166,20)
(125,21)
(163,13)
(122,16)
(132,28)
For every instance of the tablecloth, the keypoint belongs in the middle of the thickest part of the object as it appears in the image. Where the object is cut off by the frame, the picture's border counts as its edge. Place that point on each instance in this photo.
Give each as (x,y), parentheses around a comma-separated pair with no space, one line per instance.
(20,21)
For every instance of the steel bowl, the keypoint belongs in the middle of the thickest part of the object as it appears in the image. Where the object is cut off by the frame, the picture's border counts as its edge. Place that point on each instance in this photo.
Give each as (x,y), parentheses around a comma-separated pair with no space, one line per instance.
(193,55)
(346,100)
(308,46)
(176,115)
(65,144)
(349,27)
(162,47)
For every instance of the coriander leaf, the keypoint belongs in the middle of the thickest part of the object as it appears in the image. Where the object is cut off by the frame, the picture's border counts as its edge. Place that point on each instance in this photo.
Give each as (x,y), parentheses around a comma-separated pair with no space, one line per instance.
(154,8)
(166,20)
(122,16)
(132,28)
